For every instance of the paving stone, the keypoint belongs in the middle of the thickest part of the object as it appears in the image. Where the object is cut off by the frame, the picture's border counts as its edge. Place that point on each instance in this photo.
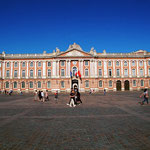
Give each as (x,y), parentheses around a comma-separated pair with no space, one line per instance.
(112,122)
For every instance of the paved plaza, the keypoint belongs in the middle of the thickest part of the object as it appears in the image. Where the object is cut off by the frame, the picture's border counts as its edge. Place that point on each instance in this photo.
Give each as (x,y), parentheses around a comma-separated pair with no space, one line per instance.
(112,122)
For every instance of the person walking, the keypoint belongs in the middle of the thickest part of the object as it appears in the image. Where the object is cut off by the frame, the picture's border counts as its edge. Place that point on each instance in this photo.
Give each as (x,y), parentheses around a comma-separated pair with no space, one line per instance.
(46,96)
(39,95)
(56,96)
(42,95)
(145,95)
(104,92)
(72,99)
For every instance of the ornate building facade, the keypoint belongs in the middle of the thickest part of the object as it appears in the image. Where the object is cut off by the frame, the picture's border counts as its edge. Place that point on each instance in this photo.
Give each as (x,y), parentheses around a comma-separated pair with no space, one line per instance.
(52,71)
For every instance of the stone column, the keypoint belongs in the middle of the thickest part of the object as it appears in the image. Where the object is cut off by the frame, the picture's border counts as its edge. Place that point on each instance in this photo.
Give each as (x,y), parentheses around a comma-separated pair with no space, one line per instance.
(137,68)
(27,69)
(69,61)
(54,69)
(130,75)
(91,68)
(114,69)
(3,70)
(57,71)
(44,69)
(105,69)
(95,68)
(66,68)
(11,71)
(122,75)
(82,68)
(34,69)
(19,70)
(145,68)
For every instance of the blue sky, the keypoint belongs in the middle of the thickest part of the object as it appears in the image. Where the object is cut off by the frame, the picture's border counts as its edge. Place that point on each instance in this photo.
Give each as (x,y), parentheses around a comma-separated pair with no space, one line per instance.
(31,26)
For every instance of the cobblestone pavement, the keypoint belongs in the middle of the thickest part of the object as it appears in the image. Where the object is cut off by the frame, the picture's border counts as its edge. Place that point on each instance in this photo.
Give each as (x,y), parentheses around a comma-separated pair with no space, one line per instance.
(112,122)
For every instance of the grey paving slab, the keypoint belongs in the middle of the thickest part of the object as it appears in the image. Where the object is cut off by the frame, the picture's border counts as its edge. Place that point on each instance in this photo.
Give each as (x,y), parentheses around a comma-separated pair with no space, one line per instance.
(111,122)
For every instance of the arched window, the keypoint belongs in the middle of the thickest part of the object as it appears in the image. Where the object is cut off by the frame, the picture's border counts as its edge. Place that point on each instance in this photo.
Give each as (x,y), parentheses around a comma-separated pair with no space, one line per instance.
(49,64)
(23,84)
(100,83)
(86,72)
(142,82)
(62,84)
(125,63)
(31,84)
(39,73)
(74,70)
(39,84)
(49,73)
(109,63)
(110,83)
(48,84)
(31,64)
(23,73)
(117,63)
(7,84)
(86,83)
(31,73)
(15,85)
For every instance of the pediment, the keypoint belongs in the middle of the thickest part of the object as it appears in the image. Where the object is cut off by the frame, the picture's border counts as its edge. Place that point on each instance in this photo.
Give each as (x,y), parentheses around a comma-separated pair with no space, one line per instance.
(74,53)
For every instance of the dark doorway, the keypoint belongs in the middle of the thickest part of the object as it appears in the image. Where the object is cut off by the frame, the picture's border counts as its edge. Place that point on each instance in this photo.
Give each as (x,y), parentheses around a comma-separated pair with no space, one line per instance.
(126,85)
(118,85)
(74,83)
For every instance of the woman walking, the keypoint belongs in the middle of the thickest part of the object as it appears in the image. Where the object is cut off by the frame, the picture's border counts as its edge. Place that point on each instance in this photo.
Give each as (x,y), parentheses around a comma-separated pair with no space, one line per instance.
(145,94)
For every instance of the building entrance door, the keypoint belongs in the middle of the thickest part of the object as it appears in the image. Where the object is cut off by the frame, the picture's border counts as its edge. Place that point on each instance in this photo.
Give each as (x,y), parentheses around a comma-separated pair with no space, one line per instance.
(118,85)
(74,83)
(126,85)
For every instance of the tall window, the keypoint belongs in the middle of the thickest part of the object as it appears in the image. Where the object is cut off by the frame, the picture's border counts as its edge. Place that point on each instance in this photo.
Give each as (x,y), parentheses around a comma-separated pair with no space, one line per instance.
(142,82)
(86,72)
(31,73)
(109,63)
(86,62)
(31,64)
(74,70)
(49,64)
(39,64)
(110,83)
(15,64)
(48,84)
(149,62)
(7,73)
(99,63)
(118,72)
(31,84)
(125,63)
(117,63)
(149,71)
(49,73)
(133,73)
(23,84)
(62,63)
(0,64)
(7,64)
(134,83)
(100,72)
(23,73)
(7,84)
(133,63)
(100,83)
(110,72)
(86,83)
(62,72)
(141,63)
(15,85)
(39,73)
(125,72)
(15,73)
(39,84)
(62,84)
(141,72)
(23,64)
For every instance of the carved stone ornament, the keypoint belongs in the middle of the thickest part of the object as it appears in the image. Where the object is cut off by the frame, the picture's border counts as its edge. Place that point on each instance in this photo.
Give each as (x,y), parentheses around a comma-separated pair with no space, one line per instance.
(74,53)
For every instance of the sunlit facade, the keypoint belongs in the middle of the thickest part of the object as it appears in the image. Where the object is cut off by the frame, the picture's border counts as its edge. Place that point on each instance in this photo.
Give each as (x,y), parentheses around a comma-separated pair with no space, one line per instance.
(52,71)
